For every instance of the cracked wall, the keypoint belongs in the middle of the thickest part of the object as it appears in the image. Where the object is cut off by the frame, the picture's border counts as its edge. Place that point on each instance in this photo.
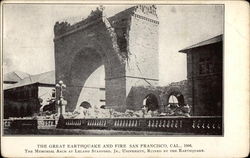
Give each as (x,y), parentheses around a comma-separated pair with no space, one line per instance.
(126,44)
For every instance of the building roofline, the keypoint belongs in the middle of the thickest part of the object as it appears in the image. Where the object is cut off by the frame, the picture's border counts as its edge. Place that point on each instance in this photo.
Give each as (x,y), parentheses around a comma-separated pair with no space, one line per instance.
(19,75)
(32,80)
(33,83)
(209,41)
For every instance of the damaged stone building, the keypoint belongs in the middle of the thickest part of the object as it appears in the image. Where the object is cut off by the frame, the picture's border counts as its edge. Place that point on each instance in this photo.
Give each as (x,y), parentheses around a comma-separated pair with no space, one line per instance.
(126,44)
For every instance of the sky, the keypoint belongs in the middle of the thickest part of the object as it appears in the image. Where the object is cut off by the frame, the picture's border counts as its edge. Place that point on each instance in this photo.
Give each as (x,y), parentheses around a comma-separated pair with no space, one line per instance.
(28,34)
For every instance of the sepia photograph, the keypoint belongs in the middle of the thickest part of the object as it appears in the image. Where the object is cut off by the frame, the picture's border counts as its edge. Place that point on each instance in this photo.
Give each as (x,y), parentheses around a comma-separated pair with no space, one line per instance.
(141,69)
(124,78)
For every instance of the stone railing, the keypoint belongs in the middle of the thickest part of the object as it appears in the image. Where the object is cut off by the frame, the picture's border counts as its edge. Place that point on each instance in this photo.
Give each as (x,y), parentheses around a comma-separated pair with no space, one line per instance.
(20,123)
(193,125)
(206,125)
(211,125)
(46,123)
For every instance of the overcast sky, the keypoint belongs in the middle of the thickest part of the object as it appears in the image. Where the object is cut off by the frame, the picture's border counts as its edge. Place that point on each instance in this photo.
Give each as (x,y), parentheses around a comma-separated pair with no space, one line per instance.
(28,34)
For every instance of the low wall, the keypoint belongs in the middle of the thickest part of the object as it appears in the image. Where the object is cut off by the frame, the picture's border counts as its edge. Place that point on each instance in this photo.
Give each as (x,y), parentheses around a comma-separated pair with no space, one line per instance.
(46,123)
(205,125)
(192,125)
(20,124)
(30,123)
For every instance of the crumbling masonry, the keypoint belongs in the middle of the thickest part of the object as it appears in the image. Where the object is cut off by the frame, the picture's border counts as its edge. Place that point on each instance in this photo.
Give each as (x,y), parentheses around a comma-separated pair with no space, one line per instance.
(126,44)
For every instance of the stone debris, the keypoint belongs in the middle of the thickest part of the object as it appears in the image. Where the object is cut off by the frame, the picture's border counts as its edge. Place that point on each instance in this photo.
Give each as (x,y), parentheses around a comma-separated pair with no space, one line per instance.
(46,116)
(178,111)
(81,112)
(95,112)
(127,113)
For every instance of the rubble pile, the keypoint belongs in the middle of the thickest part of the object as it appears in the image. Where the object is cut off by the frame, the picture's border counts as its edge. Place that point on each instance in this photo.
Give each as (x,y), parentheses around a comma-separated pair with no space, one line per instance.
(94,112)
(178,111)
(128,113)
(82,112)
(45,115)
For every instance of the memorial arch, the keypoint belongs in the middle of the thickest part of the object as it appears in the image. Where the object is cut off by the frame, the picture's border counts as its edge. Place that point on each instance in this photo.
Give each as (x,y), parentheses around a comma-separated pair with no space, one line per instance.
(80,54)
(113,42)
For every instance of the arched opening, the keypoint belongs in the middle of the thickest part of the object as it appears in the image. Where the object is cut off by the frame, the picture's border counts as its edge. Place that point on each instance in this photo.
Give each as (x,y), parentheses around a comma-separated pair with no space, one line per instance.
(85,105)
(175,100)
(151,102)
(93,90)
(87,79)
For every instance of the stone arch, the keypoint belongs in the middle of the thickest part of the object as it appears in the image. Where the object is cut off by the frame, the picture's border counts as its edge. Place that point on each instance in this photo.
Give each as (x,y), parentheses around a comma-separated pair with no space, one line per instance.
(83,65)
(77,55)
(124,61)
(94,88)
(137,96)
(151,102)
(85,104)
(175,91)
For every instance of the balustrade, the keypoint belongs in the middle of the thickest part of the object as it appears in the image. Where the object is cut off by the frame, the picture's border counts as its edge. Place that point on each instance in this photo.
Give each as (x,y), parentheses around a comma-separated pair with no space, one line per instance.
(46,123)
(192,125)
(200,125)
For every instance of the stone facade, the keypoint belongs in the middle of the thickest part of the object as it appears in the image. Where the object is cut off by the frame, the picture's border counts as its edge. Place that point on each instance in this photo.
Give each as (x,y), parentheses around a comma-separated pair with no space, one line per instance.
(126,44)
(137,95)
(181,90)
(204,72)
